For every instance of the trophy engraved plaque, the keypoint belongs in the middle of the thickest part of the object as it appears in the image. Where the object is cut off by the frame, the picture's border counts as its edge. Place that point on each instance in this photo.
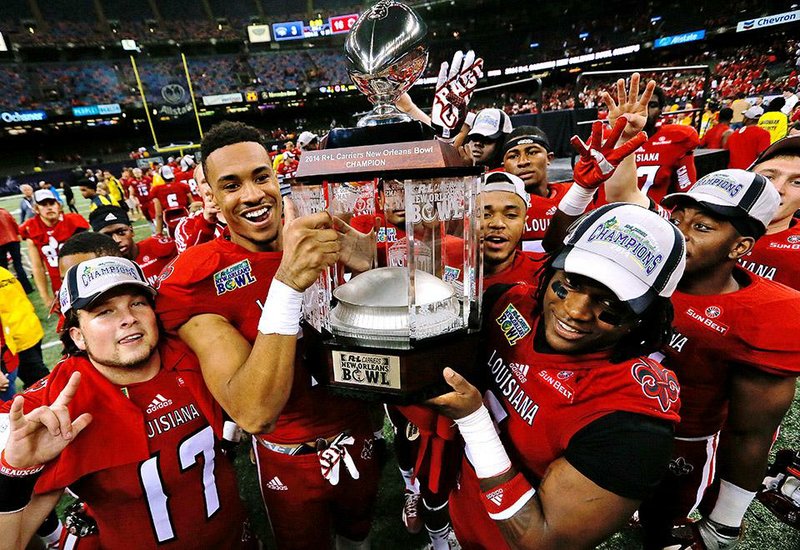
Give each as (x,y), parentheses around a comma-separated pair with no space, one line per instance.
(386,332)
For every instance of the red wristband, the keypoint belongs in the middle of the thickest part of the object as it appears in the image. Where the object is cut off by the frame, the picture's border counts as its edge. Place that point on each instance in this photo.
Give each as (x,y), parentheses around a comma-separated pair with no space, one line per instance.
(506,499)
(7,469)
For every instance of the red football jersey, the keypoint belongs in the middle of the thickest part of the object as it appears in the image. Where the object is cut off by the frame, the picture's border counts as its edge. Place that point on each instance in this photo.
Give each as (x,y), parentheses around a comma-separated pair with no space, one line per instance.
(141,189)
(149,466)
(193,230)
(524,270)
(187,178)
(154,254)
(715,333)
(665,163)
(541,400)
(777,257)
(49,240)
(222,278)
(172,195)
(745,144)
(539,214)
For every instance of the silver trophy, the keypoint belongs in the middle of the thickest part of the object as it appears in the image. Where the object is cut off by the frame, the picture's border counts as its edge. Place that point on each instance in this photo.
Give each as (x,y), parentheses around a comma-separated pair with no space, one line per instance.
(386,53)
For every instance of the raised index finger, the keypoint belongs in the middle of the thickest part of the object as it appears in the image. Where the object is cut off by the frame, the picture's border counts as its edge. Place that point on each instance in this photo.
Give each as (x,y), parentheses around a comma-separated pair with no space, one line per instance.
(69,391)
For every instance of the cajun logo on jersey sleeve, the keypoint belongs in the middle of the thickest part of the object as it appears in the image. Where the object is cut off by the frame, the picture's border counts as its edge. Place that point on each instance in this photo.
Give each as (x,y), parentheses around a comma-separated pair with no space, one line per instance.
(657,382)
(234,277)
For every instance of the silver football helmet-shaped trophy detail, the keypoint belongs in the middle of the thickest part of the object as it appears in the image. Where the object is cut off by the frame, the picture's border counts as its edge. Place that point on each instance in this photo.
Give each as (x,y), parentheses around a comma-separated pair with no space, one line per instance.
(386,53)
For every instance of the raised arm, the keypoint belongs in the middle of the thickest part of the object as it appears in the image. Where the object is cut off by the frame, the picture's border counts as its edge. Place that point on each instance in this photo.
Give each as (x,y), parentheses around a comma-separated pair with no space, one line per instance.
(253,384)
(568,510)
(34,439)
(623,185)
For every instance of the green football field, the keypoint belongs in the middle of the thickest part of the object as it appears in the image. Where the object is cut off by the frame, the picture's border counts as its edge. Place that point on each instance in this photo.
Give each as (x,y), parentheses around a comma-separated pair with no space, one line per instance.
(763,530)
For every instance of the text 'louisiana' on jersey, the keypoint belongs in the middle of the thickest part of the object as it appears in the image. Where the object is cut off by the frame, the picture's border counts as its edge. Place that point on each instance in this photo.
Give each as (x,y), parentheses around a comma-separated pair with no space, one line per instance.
(150,466)
(776,257)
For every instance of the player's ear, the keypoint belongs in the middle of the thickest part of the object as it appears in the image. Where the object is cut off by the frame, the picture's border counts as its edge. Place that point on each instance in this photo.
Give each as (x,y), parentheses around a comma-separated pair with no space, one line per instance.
(550,157)
(741,247)
(77,337)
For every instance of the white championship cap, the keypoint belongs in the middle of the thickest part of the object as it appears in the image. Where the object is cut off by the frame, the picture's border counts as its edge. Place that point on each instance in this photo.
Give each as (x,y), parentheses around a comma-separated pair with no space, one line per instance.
(86,282)
(491,124)
(753,112)
(503,181)
(735,195)
(636,253)
(167,173)
(306,138)
(41,195)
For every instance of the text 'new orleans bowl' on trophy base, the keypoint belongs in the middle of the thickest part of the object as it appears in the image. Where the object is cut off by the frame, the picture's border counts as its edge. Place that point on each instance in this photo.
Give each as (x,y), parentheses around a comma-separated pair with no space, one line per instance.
(387,332)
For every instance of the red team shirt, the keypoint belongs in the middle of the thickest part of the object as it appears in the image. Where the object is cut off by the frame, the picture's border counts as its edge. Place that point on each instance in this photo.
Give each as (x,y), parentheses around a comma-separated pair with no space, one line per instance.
(716,333)
(665,163)
(777,257)
(539,214)
(745,144)
(172,195)
(544,399)
(154,255)
(149,466)
(141,190)
(49,240)
(222,278)
(193,230)
(524,270)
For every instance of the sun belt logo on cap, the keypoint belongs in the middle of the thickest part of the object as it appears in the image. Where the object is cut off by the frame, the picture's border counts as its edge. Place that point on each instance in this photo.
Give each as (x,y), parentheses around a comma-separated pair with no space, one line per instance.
(631,239)
(723,182)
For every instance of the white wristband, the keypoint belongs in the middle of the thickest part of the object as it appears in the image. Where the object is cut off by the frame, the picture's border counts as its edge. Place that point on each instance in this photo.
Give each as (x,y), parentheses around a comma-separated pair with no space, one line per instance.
(575,200)
(483,445)
(281,313)
(470,120)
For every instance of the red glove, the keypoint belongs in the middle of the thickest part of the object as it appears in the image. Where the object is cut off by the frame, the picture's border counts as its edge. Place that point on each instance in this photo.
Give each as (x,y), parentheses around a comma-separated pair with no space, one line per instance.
(599,159)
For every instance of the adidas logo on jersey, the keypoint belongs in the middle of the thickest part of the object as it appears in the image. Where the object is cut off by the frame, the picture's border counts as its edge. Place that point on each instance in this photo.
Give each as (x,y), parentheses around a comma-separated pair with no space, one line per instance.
(496,496)
(158,402)
(276,484)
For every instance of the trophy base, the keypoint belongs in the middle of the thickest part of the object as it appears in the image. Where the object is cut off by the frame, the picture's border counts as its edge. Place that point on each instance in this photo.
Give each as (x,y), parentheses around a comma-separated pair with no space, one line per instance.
(412,130)
(397,376)
(377,119)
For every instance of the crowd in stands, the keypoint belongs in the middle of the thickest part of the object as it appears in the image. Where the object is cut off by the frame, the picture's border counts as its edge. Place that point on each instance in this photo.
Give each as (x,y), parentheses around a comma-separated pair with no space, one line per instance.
(733,71)
(62,85)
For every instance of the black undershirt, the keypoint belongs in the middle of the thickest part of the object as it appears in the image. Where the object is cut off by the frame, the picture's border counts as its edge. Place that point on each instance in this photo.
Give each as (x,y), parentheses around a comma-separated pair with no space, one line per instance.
(624,453)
